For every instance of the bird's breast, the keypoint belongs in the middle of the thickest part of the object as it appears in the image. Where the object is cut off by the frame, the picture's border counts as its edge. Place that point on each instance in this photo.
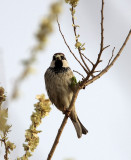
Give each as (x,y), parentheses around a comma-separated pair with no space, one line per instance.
(58,88)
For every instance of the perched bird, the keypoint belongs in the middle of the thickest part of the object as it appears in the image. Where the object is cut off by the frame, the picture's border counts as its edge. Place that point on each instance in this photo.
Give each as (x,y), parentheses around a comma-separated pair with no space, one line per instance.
(58,78)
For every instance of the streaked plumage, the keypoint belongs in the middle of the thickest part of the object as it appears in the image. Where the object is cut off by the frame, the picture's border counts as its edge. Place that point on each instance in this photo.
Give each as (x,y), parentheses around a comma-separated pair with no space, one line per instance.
(58,85)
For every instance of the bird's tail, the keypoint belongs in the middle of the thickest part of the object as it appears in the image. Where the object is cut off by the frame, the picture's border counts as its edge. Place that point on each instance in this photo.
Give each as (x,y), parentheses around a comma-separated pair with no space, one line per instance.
(77,128)
(84,130)
(80,129)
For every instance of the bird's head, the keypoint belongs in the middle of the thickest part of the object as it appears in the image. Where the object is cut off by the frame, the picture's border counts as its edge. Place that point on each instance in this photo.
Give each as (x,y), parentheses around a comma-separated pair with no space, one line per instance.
(59,61)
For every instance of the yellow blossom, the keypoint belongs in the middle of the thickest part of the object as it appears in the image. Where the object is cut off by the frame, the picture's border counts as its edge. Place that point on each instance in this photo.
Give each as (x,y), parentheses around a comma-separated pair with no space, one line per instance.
(72,2)
(42,108)
(78,44)
(10,145)
(2,96)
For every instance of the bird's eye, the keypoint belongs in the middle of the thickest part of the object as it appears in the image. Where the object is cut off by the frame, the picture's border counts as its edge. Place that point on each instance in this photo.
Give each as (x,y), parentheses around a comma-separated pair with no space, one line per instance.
(63,58)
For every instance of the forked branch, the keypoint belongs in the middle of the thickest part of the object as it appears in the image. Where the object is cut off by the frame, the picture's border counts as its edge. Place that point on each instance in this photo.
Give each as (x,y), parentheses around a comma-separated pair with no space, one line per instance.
(87,82)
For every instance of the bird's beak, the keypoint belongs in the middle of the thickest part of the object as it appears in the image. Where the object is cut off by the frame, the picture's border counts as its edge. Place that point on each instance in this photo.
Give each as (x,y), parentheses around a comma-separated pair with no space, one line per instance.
(58,58)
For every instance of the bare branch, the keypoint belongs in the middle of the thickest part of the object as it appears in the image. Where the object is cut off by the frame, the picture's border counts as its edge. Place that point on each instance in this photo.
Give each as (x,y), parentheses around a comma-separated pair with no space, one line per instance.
(102,30)
(57,138)
(101,45)
(79,73)
(106,47)
(102,36)
(86,82)
(88,59)
(111,56)
(97,71)
(69,47)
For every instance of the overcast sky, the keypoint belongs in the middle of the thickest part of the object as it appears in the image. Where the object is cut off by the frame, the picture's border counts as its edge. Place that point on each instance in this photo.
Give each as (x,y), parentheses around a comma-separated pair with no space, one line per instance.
(104,107)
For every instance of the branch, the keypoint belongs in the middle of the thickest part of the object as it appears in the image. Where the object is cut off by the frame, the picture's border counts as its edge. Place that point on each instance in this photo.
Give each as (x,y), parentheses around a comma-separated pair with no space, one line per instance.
(106,47)
(63,124)
(6,150)
(86,82)
(79,73)
(97,71)
(79,50)
(68,46)
(102,31)
(57,138)
(102,38)
(111,56)
(4,141)
(101,46)
(88,59)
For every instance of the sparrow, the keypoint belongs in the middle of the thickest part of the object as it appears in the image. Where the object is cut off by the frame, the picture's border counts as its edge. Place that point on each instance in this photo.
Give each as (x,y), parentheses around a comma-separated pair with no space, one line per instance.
(58,79)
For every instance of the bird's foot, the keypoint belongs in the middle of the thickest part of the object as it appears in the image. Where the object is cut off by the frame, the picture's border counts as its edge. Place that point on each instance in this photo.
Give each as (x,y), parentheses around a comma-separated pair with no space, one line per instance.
(66,112)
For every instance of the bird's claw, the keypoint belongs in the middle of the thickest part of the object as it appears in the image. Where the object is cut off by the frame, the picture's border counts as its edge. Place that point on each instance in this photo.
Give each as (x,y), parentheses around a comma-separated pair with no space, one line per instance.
(66,112)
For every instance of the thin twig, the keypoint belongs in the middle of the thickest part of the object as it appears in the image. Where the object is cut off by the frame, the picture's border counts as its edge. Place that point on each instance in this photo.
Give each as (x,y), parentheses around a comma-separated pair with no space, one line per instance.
(101,44)
(97,71)
(106,47)
(111,56)
(88,59)
(86,82)
(102,30)
(79,73)
(102,36)
(6,150)
(74,28)
(3,140)
(68,46)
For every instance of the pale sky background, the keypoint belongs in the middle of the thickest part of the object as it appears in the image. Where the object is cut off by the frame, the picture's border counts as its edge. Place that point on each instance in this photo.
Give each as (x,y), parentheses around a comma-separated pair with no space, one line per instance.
(104,107)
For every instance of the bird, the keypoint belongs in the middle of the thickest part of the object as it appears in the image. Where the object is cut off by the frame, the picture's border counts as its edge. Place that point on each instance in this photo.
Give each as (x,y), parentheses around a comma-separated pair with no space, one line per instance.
(58,79)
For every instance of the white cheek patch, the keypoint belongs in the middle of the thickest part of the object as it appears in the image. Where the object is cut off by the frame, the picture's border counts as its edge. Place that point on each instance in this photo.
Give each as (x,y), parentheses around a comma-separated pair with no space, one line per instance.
(52,64)
(65,63)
